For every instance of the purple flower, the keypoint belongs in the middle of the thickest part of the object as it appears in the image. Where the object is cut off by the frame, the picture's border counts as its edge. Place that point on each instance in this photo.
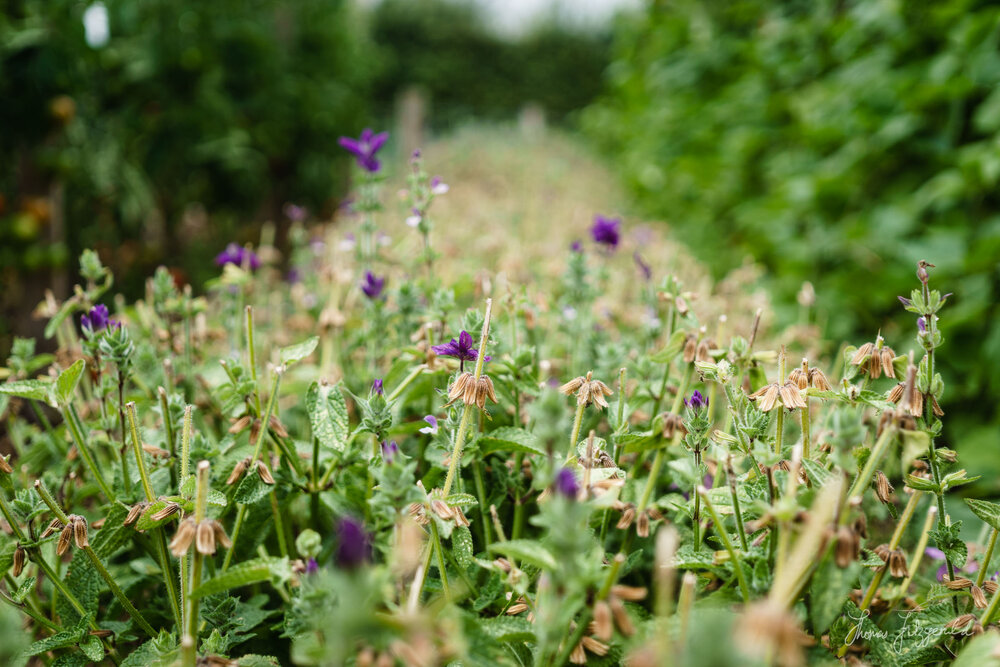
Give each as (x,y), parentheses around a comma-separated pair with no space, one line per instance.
(566,483)
(365,147)
(934,553)
(463,349)
(432,429)
(377,387)
(372,286)
(294,212)
(414,219)
(312,567)
(903,300)
(576,246)
(97,319)
(238,255)
(922,325)
(644,268)
(438,186)
(697,401)
(389,451)
(353,544)
(606,231)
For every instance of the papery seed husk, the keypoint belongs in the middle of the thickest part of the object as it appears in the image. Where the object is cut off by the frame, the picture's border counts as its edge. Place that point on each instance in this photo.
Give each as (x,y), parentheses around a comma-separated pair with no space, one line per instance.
(690,349)
(630,593)
(897,564)
(5,466)
(19,559)
(442,509)
(578,656)
(628,516)
(990,587)
(65,538)
(53,526)
(937,408)
(887,357)
(264,473)
(460,518)
(862,353)
(155,452)
(848,547)
(240,424)
(622,619)
(642,525)
(168,510)
(102,634)
(80,532)
(769,399)
(502,564)
(205,539)
(603,624)
(594,646)
(961,621)
(238,471)
(571,386)
(896,393)
(978,597)
(958,583)
(818,380)
(278,427)
(220,534)
(883,488)
(183,538)
(517,608)
(134,513)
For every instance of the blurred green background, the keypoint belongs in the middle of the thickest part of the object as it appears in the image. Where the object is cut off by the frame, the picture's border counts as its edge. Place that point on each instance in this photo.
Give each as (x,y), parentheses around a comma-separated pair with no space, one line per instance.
(831,142)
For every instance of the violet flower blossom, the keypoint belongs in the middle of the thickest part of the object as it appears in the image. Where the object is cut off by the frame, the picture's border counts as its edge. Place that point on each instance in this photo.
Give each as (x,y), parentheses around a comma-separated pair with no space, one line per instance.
(372,285)
(566,483)
(97,319)
(606,231)
(365,147)
(645,269)
(432,429)
(353,544)
(237,254)
(697,401)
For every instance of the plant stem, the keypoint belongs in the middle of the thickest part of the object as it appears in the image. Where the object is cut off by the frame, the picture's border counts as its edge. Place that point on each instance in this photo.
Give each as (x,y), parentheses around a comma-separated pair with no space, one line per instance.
(401,387)
(865,476)
(436,537)
(981,577)
(112,584)
(456,453)
(731,478)
(168,425)
(584,620)
(72,423)
(160,541)
(252,354)
(481,493)
(189,643)
(720,528)
(897,535)
(574,435)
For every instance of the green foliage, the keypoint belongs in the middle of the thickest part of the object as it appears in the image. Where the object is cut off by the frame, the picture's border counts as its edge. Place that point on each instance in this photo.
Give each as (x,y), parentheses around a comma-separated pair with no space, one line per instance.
(832,142)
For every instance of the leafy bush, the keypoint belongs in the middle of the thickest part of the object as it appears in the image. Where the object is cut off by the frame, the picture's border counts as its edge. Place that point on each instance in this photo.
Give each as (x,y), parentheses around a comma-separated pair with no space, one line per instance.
(833,142)
(392,460)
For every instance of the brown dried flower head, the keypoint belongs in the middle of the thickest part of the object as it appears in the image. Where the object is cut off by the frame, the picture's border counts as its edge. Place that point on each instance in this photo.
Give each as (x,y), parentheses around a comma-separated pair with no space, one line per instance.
(770,394)
(588,390)
(472,391)
(875,359)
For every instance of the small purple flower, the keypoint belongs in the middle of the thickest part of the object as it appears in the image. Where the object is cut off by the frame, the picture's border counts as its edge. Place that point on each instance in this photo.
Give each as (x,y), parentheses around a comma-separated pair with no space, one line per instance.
(293,276)
(377,387)
(389,451)
(432,429)
(372,285)
(414,219)
(576,246)
(365,147)
(606,231)
(697,401)
(645,269)
(438,186)
(903,300)
(934,553)
(922,325)
(566,483)
(294,212)
(238,255)
(416,154)
(97,319)
(463,349)
(353,544)
(312,567)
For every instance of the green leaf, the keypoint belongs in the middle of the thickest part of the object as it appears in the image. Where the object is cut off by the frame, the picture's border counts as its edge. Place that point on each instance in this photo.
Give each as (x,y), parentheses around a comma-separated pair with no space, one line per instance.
(671,349)
(829,588)
(254,660)
(985,510)
(921,484)
(508,438)
(23,590)
(949,540)
(62,639)
(295,353)
(461,545)
(93,649)
(461,500)
(146,522)
(818,475)
(113,535)
(526,551)
(251,489)
(508,629)
(328,415)
(983,651)
(35,390)
(67,381)
(253,571)
(7,557)
(57,319)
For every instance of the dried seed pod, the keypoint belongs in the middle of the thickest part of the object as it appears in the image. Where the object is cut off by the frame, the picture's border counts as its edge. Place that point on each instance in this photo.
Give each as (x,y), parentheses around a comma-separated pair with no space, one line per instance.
(278,428)
(5,466)
(80,531)
(958,584)
(264,473)
(897,564)
(65,539)
(239,425)
(442,509)
(978,597)
(596,647)
(134,513)
(642,525)
(603,625)
(991,587)
(220,534)
(848,547)
(238,470)
(630,593)
(168,510)
(621,616)
(205,539)
(19,559)
(183,538)
(53,526)
(588,390)
(628,516)
(883,489)
(818,380)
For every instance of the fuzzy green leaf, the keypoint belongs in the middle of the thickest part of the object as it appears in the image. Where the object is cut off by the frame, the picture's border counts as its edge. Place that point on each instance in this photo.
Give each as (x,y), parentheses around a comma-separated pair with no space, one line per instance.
(254,660)
(146,521)
(949,540)
(67,381)
(93,649)
(251,489)
(250,572)
(461,545)
(328,415)
(830,587)
(23,590)
(508,629)
(509,439)
(671,349)
(461,500)
(62,639)
(35,390)
(295,353)
(985,510)
(526,551)
(983,651)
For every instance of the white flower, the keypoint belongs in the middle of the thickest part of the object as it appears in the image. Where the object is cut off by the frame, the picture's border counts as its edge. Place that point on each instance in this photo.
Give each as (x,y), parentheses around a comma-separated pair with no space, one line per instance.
(95,25)
(433,428)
